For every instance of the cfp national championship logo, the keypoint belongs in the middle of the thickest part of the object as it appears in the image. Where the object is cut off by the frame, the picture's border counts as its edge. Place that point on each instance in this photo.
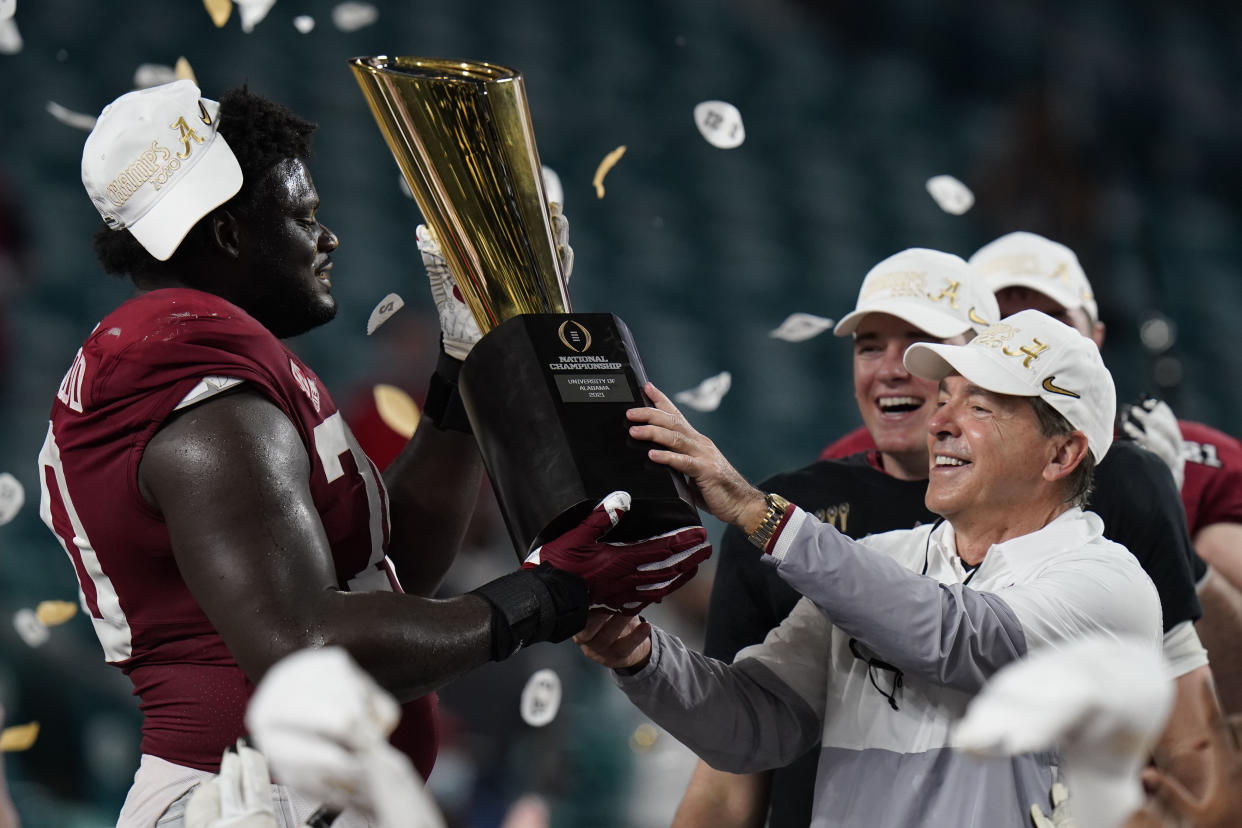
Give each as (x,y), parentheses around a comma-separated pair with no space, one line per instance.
(574,336)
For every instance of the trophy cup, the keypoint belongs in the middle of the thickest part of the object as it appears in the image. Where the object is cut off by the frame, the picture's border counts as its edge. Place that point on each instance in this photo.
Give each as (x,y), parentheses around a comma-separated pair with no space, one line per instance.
(545,389)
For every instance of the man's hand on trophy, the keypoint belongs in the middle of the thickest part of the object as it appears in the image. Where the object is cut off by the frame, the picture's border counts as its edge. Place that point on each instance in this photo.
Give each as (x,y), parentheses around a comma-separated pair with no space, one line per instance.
(457,323)
(721,489)
(625,577)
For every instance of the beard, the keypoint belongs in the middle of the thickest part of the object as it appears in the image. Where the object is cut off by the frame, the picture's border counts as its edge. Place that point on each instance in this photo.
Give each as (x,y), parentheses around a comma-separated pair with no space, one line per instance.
(286,310)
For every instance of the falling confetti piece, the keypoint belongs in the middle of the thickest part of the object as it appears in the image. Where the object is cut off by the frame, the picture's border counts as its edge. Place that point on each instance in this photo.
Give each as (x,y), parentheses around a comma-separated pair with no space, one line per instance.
(252,12)
(708,394)
(219,11)
(552,186)
(350,17)
(10,37)
(387,306)
(52,613)
(952,195)
(12,497)
(184,71)
(610,161)
(720,123)
(396,408)
(69,117)
(304,23)
(30,628)
(19,737)
(7,9)
(644,738)
(541,698)
(799,327)
(153,74)
(405,188)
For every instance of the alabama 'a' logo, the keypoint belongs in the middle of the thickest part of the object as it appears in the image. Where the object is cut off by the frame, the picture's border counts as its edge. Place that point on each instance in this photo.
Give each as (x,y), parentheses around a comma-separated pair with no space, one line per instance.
(308,385)
(574,336)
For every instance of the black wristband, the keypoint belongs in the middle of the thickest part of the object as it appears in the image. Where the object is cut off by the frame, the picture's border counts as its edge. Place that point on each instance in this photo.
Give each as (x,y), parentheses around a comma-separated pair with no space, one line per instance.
(531,605)
(443,404)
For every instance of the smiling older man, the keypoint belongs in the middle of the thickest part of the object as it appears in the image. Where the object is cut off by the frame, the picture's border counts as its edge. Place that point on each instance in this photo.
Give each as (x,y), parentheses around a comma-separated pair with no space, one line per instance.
(885,650)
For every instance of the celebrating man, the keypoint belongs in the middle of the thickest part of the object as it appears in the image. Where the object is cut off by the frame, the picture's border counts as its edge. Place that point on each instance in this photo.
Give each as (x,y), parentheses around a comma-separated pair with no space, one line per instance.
(897,632)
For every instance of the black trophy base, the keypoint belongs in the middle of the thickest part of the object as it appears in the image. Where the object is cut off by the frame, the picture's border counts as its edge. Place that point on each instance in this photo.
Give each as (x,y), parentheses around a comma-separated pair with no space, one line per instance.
(546,395)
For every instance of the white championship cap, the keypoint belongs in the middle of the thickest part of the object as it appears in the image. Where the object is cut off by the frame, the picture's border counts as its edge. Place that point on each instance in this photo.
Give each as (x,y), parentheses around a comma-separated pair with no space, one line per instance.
(1030,354)
(154,164)
(1028,260)
(936,292)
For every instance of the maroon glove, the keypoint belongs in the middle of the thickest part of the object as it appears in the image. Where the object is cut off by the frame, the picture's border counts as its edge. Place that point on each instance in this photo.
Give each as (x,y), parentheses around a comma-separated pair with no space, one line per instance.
(625,577)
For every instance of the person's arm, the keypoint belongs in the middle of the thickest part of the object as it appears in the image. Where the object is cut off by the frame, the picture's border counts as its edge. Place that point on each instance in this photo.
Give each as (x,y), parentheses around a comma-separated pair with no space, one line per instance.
(432,487)
(1219,631)
(1179,750)
(947,633)
(761,712)
(1220,545)
(231,479)
(715,799)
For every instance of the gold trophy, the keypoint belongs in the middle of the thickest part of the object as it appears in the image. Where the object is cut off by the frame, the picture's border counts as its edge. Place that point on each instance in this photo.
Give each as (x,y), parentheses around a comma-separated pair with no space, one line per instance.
(545,389)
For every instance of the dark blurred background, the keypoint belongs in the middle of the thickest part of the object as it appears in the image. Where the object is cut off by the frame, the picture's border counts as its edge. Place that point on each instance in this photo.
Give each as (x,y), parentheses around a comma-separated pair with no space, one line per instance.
(1111,126)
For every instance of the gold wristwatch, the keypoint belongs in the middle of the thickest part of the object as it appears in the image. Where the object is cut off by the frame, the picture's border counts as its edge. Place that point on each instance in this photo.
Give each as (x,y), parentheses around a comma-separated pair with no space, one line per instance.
(771,519)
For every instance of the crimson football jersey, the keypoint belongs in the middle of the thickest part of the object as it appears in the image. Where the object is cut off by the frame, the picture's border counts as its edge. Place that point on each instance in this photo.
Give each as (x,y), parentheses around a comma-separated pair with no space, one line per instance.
(855,442)
(1212,492)
(150,356)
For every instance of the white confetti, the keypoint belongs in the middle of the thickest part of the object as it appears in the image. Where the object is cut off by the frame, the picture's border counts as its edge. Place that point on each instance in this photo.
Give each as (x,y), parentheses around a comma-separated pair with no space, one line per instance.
(405,188)
(252,12)
(708,394)
(7,9)
(153,74)
(69,117)
(552,187)
(720,123)
(12,497)
(350,17)
(952,195)
(541,698)
(10,37)
(389,305)
(304,23)
(799,327)
(30,628)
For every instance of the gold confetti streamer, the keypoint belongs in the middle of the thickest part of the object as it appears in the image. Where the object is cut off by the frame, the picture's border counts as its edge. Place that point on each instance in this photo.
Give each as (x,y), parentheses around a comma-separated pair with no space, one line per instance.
(396,409)
(219,11)
(184,71)
(51,613)
(610,161)
(18,737)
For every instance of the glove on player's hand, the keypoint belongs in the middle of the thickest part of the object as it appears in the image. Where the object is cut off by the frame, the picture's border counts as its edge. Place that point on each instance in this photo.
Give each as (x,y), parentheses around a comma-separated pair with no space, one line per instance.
(1153,425)
(625,577)
(239,796)
(457,323)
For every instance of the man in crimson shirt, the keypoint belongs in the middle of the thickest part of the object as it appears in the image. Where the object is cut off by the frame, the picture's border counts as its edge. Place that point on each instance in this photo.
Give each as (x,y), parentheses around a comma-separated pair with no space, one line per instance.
(217,510)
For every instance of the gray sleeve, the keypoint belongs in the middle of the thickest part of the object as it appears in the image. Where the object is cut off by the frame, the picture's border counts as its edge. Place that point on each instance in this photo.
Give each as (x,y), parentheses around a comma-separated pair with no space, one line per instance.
(945,633)
(738,718)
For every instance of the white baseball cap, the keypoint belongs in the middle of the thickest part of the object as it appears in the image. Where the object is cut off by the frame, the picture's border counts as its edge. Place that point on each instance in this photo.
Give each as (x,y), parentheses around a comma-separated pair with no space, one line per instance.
(936,292)
(155,164)
(1028,260)
(1030,354)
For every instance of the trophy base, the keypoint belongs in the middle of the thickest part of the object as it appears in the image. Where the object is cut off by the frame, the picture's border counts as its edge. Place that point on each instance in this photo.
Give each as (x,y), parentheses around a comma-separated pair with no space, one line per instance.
(546,395)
